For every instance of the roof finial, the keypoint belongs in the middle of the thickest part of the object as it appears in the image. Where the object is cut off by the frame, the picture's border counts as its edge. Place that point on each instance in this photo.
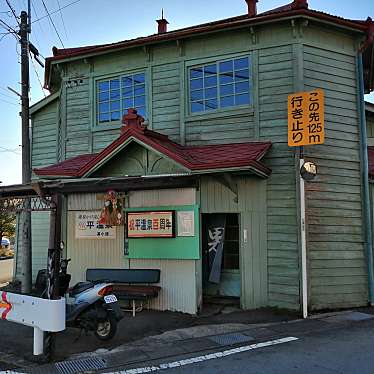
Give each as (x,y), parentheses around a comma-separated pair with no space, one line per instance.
(133,120)
(162,23)
(300,4)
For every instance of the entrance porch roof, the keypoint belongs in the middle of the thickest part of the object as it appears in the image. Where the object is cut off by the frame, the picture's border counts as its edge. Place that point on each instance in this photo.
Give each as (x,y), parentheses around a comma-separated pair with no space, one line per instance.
(191,159)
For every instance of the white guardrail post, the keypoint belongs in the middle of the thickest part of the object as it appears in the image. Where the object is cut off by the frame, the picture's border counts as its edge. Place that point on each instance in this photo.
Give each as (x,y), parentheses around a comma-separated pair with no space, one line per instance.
(41,314)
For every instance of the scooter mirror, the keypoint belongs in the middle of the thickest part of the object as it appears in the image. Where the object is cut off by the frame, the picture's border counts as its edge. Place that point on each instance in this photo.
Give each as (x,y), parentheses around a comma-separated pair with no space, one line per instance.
(62,245)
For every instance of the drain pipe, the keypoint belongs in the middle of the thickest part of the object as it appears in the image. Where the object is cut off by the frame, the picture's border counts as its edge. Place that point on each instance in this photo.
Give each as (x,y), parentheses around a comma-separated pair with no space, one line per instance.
(365,178)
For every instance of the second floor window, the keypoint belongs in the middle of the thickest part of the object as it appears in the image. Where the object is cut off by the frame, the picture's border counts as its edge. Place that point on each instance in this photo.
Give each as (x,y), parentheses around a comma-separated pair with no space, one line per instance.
(220,85)
(116,95)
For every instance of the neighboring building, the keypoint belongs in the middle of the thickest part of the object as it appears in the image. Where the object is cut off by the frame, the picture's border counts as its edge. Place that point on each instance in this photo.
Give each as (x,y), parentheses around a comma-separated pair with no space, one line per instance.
(202,90)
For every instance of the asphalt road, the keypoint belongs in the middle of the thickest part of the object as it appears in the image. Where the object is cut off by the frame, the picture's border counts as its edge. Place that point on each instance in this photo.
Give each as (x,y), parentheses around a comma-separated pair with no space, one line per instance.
(6,270)
(347,350)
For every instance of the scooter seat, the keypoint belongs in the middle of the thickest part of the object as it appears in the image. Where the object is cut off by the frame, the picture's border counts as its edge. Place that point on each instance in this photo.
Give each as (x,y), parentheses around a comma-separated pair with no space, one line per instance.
(80,287)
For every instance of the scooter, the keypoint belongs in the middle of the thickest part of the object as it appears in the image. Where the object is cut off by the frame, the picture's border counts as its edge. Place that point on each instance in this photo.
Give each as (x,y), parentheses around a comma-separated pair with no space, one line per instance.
(90,306)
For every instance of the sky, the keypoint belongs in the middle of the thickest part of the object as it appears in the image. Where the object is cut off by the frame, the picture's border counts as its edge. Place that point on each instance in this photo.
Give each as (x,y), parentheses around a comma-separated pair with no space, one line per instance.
(85,22)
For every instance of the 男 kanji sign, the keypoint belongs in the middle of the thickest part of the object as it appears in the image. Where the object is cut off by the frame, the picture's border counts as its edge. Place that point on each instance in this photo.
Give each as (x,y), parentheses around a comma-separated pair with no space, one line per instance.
(306,118)
(151,224)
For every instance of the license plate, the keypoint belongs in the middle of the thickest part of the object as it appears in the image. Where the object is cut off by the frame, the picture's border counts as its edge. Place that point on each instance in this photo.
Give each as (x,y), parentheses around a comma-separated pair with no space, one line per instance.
(110,299)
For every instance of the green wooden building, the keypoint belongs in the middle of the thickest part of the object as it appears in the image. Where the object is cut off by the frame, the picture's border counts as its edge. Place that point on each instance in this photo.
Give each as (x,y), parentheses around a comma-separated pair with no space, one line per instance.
(214,145)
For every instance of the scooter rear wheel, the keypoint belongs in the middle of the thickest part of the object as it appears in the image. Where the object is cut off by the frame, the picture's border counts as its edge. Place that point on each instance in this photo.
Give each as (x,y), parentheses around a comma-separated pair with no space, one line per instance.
(106,328)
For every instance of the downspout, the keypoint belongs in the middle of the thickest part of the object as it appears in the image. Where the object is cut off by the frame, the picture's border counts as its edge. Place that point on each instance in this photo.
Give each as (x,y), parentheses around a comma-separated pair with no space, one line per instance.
(365,177)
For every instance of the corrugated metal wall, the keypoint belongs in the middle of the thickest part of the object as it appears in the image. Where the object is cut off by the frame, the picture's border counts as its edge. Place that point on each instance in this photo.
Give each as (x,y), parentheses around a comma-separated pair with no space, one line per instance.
(178,280)
(251,205)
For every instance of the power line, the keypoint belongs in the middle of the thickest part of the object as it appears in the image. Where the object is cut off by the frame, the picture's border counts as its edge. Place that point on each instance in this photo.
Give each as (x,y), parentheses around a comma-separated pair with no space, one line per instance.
(7,27)
(8,96)
(62,18)
(13,11)
(57,10)
(8,102)
(50,19)
(40,26)
(37,75)
(4,34)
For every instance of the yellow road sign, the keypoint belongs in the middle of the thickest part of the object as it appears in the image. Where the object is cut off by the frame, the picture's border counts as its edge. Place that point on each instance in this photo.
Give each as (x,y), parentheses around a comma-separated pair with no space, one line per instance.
(306,118)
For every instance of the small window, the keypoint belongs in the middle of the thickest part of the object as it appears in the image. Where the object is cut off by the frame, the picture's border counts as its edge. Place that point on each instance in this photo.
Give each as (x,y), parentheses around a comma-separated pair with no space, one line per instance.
(220,85)
(115,96)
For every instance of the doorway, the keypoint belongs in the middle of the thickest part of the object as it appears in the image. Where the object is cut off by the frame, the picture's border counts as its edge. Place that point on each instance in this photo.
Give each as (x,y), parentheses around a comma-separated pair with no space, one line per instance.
(220,255)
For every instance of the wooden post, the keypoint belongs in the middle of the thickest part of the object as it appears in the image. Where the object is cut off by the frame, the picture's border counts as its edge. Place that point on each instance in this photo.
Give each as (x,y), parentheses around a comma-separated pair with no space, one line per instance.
(53,265)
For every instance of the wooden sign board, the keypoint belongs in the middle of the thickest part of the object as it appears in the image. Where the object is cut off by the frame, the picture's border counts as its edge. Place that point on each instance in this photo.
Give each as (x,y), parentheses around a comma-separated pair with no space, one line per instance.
(87,226)
(157,224)
(306,118)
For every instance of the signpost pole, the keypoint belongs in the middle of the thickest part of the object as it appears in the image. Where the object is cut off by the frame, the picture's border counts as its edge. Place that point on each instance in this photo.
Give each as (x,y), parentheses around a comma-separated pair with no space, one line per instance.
(306,126)
(303,238)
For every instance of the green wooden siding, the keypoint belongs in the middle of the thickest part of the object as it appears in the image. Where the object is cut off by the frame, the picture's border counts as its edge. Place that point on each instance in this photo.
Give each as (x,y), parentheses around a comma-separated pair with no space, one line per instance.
(78,120)
(136,160)
(334,209)
(276,83)
(44,136)
(166,99)
(250,204)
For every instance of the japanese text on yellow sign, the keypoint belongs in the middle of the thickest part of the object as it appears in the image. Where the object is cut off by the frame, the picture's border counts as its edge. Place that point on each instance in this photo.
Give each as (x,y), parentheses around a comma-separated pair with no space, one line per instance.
(306,118)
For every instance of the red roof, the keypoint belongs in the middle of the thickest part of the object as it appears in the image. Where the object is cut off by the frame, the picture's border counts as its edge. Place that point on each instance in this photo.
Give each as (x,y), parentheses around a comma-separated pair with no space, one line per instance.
(66,168)
(192,158)
(295,8)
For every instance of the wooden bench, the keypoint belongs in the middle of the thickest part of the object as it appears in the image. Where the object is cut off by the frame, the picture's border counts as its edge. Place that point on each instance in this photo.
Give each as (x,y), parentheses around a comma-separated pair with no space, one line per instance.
(129,284)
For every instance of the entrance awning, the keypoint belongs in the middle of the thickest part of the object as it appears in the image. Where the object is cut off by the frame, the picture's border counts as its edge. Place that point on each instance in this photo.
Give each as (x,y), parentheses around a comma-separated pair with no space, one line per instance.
(47,188)
(190,160)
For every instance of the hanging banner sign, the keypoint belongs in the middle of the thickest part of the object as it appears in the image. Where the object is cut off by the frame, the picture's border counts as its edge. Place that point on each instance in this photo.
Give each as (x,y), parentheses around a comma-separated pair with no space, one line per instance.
(216,236)
(160,224)
(87,226)
(306,118)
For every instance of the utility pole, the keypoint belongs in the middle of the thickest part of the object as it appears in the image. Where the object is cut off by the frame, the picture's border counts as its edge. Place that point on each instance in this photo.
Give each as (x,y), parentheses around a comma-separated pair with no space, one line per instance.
(26,164)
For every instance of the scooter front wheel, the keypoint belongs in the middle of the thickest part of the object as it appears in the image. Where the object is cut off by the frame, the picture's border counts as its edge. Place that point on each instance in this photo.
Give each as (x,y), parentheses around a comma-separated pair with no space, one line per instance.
(106,328)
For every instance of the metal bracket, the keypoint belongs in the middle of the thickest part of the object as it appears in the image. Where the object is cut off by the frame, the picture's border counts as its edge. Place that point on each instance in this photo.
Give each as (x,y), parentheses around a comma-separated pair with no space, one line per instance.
(180,46)
(147,52)
(294,28)
(302,26)
(253,35)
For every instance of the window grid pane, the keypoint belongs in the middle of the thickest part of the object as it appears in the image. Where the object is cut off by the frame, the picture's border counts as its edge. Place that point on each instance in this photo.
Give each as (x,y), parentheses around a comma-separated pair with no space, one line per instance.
(220,85)
(116,95)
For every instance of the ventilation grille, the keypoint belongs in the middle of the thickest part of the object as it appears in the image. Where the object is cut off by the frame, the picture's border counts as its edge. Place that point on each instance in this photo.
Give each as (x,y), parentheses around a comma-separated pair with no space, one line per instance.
(230,339)
(80,366)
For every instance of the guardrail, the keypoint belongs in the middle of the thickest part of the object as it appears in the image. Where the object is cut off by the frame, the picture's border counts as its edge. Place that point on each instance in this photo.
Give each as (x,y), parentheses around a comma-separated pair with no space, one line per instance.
(41,314)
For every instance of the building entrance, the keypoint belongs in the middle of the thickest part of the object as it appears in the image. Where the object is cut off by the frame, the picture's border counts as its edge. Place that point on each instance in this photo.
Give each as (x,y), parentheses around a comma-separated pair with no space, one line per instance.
(221,265)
